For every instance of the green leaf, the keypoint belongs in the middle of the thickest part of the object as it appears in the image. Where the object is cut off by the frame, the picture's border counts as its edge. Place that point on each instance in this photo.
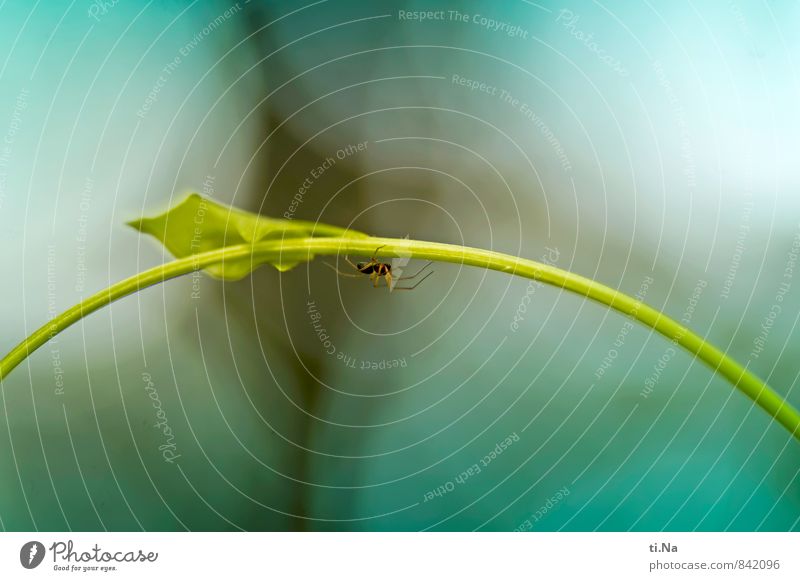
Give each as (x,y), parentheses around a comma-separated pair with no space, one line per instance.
(198,225)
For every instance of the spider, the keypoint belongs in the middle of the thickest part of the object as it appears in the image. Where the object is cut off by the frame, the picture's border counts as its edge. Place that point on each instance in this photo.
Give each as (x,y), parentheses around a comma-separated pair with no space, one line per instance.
(377,270)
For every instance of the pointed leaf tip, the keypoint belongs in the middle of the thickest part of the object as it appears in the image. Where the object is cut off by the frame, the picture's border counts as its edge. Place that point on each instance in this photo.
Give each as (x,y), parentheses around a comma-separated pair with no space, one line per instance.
(198,224)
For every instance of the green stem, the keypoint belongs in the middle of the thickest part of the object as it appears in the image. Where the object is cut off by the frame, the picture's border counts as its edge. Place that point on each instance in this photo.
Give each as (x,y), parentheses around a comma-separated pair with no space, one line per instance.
(301,249)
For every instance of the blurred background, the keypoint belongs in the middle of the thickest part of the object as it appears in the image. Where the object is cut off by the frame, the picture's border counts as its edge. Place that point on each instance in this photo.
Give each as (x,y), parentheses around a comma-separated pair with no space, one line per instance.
(651,147)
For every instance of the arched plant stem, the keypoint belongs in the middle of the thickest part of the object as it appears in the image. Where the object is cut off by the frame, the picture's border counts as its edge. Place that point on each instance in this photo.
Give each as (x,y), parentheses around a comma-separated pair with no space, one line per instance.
(303,249)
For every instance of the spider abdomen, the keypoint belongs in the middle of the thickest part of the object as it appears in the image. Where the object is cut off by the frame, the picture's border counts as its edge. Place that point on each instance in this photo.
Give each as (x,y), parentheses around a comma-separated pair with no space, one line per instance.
(379,268)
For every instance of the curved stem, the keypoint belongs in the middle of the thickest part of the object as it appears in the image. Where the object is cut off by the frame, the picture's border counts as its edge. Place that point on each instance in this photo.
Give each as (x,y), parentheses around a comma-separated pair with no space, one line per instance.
(301,249)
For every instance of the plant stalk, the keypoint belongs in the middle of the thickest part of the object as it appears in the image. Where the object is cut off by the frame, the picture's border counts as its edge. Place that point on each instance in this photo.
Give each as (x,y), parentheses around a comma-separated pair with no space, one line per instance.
(303,249)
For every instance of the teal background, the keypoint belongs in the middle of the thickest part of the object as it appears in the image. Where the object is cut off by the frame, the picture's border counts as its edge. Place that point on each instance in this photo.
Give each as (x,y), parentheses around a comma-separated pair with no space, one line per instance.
(682,170)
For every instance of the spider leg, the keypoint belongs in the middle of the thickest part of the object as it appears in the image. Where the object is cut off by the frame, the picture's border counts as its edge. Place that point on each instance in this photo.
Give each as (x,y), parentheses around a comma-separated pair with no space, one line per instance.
(350,262)
(415,285)
(376,252)
(416,274)
(339,272)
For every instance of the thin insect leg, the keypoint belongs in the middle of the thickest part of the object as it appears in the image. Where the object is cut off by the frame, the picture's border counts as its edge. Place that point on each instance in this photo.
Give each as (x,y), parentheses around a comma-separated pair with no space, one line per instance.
(415,285)
(339,272)
(351,263)
(416,274)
